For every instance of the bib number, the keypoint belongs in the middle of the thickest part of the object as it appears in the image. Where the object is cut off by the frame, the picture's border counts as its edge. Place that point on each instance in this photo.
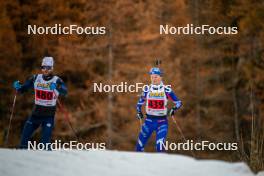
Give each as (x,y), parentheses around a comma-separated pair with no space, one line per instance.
(44,95)
(156,104)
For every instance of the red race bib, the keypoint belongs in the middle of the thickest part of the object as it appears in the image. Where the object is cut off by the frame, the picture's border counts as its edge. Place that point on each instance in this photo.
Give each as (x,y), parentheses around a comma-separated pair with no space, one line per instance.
(156,104)
(44,95)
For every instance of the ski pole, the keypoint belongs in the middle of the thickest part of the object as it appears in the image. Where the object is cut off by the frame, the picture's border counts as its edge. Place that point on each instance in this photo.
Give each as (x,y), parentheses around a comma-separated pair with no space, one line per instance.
(140,122)
(66,115)
(179,129)
(10,119)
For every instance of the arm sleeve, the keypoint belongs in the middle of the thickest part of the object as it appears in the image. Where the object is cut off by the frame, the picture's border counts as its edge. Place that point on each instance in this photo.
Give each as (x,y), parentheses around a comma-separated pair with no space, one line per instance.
(62,87)
(171,95)
(29,84)
(141,101)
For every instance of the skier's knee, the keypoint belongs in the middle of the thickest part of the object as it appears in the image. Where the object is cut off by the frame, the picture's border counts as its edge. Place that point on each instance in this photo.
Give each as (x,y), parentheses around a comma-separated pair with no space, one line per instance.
(160,145)
(140,146)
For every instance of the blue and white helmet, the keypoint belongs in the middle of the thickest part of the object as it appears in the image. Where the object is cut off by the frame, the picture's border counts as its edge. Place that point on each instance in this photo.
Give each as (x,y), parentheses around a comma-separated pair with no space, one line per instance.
(155,70)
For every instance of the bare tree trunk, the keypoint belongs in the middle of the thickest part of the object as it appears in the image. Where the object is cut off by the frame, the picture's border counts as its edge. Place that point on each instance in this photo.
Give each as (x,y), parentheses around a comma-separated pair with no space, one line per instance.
(110,95)
(197,72)
(236,121)
(253,146)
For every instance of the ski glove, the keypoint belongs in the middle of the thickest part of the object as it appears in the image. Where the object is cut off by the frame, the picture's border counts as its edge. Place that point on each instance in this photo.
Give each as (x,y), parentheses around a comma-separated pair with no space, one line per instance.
(17,85)
(140,115)
(178,104)
(172,111)
(53,86)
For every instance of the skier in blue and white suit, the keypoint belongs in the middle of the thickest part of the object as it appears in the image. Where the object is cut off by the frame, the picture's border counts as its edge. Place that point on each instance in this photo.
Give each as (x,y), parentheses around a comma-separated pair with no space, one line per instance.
(156,97)
(47,88)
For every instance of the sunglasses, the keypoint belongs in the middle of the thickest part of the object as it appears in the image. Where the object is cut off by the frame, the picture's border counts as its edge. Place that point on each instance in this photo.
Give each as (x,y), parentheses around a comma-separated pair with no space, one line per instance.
(46,67)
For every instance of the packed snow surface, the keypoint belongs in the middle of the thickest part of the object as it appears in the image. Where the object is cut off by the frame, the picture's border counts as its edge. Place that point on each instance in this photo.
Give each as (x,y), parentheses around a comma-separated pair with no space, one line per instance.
(112,163)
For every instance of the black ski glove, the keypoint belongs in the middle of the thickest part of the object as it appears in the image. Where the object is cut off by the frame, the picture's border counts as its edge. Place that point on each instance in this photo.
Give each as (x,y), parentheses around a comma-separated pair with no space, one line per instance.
(172,111)
(140,115)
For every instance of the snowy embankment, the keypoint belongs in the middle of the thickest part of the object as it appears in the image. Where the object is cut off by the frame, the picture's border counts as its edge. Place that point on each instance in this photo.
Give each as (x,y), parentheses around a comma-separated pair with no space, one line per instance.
(113,163)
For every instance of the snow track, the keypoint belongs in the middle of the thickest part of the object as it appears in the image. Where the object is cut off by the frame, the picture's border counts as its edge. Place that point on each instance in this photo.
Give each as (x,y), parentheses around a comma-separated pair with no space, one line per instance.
(112,163)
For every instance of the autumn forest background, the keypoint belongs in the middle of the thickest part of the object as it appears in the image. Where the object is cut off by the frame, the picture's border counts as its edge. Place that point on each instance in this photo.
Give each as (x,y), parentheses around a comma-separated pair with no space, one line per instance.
(219,78)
